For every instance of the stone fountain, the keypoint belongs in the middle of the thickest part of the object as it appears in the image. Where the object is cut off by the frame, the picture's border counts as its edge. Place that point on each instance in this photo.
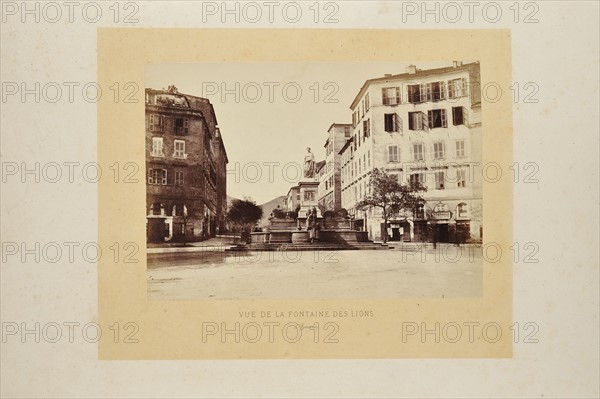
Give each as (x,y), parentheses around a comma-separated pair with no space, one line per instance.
(310,228)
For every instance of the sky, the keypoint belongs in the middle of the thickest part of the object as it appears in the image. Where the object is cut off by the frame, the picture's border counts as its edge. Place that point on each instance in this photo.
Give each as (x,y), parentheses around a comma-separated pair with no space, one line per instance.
(268,113)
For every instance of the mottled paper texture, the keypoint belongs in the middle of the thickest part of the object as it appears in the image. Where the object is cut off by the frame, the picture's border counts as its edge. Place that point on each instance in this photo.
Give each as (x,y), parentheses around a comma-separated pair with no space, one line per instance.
(180,329)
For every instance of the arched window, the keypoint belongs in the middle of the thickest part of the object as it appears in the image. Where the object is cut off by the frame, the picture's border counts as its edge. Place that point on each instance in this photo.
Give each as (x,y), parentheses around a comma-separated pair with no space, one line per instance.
(462,211)
(440,207)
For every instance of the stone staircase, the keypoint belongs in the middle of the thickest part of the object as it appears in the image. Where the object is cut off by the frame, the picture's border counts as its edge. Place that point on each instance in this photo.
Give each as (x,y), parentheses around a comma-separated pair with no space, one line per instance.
(317,246)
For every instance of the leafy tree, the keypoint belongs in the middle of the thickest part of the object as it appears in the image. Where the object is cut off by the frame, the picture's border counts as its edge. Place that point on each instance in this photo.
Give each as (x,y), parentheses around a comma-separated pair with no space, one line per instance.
(387,193)
(244,214)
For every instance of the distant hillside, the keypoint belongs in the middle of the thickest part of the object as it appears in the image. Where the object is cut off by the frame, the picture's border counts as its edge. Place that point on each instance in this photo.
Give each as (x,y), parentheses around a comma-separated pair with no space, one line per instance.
(269,206)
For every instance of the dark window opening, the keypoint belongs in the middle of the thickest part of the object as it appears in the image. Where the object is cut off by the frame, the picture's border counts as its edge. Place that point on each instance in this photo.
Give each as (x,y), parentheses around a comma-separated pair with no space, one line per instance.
(181,126)
(437,92)
(390,124)
(414,93)
(457,116)
(437,118)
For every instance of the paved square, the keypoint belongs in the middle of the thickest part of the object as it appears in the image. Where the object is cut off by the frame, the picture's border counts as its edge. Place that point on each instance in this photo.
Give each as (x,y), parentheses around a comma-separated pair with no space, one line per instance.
(446,272)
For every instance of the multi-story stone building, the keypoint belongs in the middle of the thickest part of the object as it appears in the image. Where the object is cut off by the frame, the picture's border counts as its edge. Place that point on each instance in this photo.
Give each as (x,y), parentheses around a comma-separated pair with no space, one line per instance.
(292,199)
(186,168)
(330,189)
(422,125)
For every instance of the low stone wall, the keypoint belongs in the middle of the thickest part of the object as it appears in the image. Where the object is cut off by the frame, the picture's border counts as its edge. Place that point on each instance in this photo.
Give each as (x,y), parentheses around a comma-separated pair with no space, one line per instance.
(343,236)
(280,236)
(300,237)
(337,224)
(259,238)
(331,229)
(282,224)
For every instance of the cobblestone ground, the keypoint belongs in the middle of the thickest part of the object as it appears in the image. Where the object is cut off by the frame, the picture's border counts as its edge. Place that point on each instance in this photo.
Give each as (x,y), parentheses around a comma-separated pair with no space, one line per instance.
(447,272)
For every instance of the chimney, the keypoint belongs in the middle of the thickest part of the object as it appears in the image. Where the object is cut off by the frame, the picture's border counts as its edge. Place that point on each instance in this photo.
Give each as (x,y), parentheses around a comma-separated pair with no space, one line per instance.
(388,75)
(457,63)
(411,69)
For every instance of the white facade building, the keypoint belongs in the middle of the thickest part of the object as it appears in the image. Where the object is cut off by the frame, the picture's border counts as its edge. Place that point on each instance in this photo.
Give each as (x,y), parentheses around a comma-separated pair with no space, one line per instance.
(422,125)
(330,190)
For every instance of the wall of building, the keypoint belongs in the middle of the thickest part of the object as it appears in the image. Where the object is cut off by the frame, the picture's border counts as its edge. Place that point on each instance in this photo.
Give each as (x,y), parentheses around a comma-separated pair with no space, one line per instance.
(292,200)
(330,175)
(184,187)
(384,137)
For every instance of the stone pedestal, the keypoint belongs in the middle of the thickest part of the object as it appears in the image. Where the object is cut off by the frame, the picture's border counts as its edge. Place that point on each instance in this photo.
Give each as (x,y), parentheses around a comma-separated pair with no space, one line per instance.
(309,198)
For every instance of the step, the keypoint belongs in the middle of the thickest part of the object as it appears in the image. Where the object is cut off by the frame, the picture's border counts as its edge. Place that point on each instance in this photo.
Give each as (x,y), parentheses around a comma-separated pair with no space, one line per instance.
(309,247)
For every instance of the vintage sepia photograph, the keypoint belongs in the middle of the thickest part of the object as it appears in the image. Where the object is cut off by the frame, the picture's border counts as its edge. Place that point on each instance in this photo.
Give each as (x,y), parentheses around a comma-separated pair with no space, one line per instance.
(299,199)
(298,180)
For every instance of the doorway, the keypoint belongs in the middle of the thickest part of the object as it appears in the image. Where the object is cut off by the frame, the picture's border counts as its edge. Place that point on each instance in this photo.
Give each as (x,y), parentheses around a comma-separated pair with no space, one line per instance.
(441,233)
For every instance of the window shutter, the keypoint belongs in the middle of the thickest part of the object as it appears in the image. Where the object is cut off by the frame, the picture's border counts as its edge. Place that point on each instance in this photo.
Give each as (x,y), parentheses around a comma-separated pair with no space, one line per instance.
(150,180)
(152,122)
(465,116)
(384,96)
(425,120)
(475,92)
(444,118)
(397,95)
(169,124)
(399,127)
(185,126)
(442,90)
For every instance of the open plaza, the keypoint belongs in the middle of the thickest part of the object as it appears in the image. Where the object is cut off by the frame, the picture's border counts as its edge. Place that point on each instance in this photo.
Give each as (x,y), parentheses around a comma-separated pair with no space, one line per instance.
(406,271)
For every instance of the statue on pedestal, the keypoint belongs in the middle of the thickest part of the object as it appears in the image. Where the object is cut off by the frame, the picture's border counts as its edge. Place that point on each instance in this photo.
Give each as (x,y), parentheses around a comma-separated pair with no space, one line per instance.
(309,164)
